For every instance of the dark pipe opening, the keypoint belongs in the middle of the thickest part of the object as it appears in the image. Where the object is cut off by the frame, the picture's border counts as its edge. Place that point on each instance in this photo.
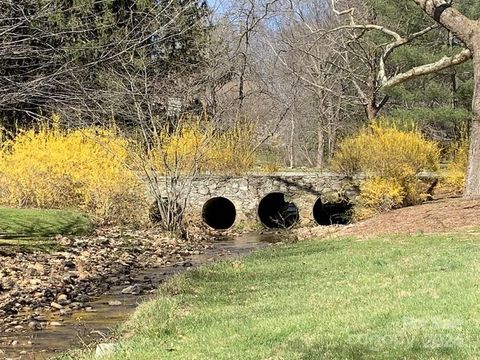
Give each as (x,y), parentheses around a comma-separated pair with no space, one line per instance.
(171,209)
(219,213)
(337,213)
(275,212)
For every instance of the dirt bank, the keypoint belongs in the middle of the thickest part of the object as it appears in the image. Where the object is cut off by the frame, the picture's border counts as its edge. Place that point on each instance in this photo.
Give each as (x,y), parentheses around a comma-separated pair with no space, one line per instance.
(439,216)
(445,215)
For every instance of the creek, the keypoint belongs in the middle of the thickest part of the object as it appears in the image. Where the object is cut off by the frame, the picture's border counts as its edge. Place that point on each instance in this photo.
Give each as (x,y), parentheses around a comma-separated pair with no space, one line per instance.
(109,310)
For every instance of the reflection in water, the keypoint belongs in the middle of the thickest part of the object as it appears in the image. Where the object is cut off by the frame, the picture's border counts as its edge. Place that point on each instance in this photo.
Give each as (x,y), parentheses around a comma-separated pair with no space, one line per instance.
(90,326)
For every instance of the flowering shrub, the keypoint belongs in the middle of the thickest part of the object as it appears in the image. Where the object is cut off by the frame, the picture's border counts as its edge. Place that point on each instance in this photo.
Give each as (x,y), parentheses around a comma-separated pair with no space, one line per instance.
(454,177)
(81,168)
(378,195)
(232,150)
(385,151)
(390,159)
(197,146)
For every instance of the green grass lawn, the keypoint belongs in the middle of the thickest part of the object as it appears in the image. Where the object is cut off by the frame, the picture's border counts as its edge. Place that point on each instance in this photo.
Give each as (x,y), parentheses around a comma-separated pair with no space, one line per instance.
(30,229)
(387,298)
(34,222)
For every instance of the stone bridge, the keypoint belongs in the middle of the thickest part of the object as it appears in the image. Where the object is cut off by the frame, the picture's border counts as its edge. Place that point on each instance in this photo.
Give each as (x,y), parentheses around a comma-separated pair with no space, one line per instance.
(277,201)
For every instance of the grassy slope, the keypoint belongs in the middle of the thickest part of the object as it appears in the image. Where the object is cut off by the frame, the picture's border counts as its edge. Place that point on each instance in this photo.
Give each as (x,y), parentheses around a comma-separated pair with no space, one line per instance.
(32,222)
(389,298)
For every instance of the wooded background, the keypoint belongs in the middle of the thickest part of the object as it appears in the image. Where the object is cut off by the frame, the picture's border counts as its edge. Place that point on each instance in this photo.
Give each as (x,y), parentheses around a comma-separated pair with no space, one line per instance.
(307,72)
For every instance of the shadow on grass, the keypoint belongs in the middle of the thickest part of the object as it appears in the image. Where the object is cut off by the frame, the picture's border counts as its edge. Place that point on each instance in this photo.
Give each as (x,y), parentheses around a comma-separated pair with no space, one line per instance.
(29,230)
(23,223)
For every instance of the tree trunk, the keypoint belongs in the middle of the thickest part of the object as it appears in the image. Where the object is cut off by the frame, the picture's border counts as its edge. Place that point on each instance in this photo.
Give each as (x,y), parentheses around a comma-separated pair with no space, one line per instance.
(472,185)
(371,107)
(292,141)
(453,76)
(320,147)
(468,31)
(332,140)
(372,111)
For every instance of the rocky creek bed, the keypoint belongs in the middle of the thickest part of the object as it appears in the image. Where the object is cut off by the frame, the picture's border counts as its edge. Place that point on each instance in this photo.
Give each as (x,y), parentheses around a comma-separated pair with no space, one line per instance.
(52,302)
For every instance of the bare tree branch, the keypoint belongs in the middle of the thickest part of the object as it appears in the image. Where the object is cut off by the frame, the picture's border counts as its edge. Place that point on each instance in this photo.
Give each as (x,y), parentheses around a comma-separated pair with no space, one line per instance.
(442,64)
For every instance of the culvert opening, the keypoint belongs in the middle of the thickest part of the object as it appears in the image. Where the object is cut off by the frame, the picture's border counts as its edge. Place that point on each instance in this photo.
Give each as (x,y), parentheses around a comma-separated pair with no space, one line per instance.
(219,213)
(275,212)
(335,213)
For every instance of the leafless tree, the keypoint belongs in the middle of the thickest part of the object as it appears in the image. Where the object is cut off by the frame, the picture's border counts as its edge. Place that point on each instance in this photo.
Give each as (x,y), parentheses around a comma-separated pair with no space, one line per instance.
(312,61)
(249,86)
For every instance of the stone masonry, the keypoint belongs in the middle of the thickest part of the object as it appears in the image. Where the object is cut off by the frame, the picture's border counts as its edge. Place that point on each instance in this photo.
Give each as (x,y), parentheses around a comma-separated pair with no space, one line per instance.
(303,189)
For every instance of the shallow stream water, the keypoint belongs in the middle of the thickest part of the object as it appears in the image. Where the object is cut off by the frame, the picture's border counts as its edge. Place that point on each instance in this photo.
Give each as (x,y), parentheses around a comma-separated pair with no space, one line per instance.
(85,327)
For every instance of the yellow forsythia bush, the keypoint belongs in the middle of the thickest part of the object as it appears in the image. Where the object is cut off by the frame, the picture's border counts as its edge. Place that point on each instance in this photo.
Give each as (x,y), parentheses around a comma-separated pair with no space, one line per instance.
(454,177)
(232,150)
(81,168)
(390,159)
(179,150)
(197,146)
(378,195)
(385,151)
